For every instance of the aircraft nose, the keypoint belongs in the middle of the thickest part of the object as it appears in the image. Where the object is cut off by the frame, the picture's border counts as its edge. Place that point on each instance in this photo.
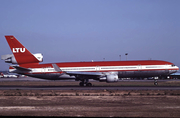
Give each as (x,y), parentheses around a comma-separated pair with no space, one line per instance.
(177,68)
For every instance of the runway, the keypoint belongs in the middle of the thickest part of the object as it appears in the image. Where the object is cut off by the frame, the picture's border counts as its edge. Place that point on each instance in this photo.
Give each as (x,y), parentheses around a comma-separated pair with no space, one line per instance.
(34,97)
(29,83)
(88,88)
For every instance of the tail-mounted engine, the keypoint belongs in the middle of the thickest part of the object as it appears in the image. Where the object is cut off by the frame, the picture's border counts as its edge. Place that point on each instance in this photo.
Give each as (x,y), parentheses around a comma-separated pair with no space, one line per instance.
(9,58)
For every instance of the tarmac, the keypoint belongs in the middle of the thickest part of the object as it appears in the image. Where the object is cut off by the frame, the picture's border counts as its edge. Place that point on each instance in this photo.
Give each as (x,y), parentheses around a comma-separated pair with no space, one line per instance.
(29,83)
(126,98)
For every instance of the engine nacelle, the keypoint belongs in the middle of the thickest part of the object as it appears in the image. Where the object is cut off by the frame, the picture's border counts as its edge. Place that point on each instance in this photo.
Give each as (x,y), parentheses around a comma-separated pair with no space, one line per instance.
(112,78)
(109,78)
(39,56)
(9,58)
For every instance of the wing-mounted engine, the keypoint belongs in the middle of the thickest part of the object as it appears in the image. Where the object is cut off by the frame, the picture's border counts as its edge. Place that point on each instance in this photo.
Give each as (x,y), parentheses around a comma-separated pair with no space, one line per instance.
(9,58)
(110,77)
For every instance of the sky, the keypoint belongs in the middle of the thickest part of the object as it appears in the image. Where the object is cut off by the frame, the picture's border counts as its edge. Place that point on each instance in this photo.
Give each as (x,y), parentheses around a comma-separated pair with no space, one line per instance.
(85,30)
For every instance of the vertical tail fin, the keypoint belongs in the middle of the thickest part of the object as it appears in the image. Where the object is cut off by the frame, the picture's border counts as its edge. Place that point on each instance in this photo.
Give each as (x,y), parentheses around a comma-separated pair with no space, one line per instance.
(21,54)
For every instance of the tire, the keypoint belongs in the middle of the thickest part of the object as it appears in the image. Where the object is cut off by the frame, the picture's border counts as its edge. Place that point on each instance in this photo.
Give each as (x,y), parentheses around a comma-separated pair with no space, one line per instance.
(155,83)
(88,84)
(81,84)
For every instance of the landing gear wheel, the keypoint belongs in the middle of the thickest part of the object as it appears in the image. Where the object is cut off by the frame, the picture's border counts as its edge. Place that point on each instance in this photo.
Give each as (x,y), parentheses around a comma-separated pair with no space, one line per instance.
(85,82)
(81,84)
(88,84)
(155,83)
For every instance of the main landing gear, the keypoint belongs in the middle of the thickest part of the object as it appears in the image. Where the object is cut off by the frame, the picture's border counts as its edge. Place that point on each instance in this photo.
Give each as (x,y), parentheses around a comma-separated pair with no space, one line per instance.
(155,82)
(85,83)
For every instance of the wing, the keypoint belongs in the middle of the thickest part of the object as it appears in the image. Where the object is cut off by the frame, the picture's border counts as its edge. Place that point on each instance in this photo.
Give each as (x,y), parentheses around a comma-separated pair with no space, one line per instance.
(84,73)
(56,68)
(78,74)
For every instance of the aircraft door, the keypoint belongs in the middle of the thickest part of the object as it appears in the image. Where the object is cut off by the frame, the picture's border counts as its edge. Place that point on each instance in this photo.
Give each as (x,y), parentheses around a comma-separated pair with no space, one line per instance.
(42,70)
(139,67)
(97,68)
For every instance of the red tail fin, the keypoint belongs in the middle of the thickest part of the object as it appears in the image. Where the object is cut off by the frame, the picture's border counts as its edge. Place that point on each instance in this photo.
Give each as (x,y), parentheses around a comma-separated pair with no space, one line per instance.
(21,54)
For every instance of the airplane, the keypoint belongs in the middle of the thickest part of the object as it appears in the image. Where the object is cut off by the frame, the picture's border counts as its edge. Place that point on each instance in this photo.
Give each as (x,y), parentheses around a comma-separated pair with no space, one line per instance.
(2,75)
(28,64)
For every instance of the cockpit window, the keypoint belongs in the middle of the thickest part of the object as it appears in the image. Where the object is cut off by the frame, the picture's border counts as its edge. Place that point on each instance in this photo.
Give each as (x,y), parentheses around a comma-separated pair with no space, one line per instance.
(172,65)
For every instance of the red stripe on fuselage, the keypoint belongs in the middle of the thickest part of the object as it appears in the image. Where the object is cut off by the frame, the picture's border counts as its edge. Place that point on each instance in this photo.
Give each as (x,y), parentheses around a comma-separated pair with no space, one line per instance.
(102,63)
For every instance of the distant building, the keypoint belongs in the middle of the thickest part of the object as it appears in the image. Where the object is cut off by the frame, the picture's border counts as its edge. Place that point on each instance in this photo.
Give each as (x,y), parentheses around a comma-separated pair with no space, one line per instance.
(174,76)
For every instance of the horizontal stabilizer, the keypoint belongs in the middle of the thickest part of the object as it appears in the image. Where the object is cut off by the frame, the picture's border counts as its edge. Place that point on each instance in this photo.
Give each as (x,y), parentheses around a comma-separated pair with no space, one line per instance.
(18,68)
